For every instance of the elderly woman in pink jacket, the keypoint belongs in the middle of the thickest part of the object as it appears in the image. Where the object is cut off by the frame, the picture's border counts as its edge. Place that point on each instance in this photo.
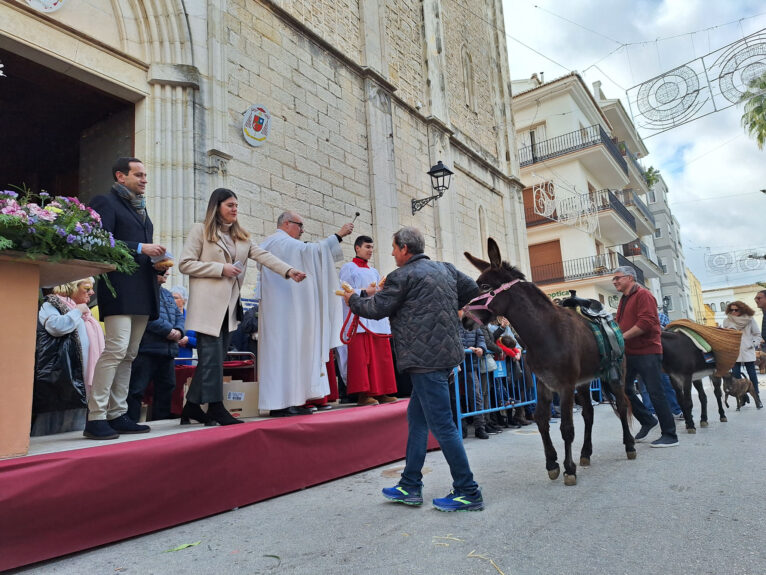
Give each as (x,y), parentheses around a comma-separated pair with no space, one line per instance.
(215,258)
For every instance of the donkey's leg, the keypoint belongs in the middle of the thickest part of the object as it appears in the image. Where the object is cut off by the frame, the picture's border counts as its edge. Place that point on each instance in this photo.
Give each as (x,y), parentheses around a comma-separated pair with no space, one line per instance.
(567,434)
(582,397)
(542,418)
(683,386)
(718,397)
(703,401)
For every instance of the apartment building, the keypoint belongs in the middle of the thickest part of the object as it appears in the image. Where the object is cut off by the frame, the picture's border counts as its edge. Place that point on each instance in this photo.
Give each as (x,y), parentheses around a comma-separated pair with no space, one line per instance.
(585,196)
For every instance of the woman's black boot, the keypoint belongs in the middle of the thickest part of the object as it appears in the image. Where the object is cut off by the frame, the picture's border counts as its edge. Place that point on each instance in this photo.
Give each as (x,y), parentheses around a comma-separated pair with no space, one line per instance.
(193,411)
(218,414)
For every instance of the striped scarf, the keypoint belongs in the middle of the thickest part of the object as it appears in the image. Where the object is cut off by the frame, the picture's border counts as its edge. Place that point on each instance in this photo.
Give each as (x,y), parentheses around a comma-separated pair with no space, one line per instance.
(137,201)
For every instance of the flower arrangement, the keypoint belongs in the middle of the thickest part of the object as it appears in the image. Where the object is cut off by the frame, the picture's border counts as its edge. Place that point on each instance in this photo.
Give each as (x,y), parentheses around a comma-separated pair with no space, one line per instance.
(58,227)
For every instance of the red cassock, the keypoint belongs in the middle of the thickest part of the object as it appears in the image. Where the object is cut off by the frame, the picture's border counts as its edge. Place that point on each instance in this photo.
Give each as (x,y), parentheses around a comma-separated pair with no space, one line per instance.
(370,365)
(331,375)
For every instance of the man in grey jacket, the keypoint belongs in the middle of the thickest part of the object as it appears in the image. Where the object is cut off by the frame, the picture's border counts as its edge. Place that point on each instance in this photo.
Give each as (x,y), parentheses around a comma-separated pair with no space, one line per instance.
(421,299)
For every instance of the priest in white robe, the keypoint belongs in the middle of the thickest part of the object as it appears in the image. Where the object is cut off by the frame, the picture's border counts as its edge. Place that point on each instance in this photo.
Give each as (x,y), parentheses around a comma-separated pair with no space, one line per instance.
(299,323)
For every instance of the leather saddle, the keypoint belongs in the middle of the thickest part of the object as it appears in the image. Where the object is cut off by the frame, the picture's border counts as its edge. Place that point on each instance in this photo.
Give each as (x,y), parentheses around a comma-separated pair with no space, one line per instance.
(611,345)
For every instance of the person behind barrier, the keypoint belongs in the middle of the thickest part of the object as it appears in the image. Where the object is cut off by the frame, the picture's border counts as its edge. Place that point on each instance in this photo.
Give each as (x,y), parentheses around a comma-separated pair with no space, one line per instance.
(69,343)
(155,361)
(421,298)
(640,325)
(739,316)
(215,258)
(468,385)
(188,342)
(365,362)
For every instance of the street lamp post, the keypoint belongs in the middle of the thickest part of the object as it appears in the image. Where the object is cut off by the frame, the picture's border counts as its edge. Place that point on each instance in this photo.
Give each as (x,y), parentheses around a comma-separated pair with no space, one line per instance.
(441,178)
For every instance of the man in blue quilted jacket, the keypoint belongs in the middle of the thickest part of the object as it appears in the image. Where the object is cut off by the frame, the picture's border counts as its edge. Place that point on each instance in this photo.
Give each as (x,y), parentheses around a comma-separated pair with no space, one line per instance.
(421,298)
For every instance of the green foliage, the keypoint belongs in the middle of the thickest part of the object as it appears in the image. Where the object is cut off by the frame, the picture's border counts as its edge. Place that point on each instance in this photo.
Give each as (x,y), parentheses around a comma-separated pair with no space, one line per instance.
(652,176)
(61,228)
(754,115)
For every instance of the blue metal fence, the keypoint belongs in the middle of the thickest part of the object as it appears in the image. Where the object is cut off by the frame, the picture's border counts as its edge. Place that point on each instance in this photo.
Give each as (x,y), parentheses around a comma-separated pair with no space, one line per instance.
(480,392)
(500,389)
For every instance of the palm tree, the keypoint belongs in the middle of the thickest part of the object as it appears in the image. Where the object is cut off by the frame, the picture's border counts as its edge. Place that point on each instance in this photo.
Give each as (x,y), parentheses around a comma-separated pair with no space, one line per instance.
(652,176)
(754,116)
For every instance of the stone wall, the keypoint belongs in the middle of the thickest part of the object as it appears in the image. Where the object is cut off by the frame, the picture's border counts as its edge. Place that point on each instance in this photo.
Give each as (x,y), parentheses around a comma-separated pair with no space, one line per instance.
(315,160)
(406,61)
(335,21)
(467,28)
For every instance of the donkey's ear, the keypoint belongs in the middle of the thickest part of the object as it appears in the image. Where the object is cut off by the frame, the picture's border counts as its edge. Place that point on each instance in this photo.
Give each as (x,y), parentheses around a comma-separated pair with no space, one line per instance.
(494,253)
(481,265)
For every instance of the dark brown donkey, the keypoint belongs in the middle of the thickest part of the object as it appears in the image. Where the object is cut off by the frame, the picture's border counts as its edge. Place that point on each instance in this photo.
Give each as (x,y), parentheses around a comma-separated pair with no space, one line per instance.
(685,364)
(561,351)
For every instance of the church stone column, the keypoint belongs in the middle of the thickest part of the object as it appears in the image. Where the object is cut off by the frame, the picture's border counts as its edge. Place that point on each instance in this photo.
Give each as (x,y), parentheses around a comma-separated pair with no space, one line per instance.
(380,141)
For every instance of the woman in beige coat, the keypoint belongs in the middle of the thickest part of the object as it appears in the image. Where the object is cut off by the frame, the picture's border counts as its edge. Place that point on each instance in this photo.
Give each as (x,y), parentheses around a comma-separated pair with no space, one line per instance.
(215,258)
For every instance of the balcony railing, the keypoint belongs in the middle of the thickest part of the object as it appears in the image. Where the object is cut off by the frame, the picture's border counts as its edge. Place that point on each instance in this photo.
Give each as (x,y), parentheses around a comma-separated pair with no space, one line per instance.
(534,219)
(606,200)
(634,161)
(582,268)
(573,141)
(630,198)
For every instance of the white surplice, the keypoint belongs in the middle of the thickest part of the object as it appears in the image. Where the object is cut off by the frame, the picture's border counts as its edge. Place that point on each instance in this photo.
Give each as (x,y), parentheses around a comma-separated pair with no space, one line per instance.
(359,278)
(298,323)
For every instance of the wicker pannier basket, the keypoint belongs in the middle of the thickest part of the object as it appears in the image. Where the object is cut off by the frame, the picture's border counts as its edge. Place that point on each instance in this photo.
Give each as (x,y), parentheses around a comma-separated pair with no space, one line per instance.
(724,341)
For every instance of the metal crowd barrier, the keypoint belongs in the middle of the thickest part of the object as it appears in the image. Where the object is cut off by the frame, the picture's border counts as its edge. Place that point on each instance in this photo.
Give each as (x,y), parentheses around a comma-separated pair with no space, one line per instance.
(500,389)
(493,391)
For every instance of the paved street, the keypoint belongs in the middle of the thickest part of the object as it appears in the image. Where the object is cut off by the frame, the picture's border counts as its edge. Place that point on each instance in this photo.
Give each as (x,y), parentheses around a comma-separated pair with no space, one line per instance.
(697,508)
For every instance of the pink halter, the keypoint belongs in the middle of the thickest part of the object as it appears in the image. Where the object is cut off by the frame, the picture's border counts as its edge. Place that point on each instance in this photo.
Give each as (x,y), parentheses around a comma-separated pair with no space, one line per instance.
(475,305)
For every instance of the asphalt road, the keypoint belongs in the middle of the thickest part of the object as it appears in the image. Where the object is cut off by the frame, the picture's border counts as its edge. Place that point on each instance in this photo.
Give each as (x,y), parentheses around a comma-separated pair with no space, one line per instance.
(696,508)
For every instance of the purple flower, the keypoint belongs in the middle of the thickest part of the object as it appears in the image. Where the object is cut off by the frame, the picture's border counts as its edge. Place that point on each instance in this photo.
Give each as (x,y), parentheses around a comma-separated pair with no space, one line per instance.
(70,239)
(45,195)
(10,194)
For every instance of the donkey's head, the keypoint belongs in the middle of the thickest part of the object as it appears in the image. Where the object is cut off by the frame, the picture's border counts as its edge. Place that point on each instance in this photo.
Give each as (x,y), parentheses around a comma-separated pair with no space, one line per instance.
(494,274)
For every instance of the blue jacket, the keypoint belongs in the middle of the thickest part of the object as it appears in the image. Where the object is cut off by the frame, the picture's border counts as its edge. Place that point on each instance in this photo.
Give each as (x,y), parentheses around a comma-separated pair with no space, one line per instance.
(154,341)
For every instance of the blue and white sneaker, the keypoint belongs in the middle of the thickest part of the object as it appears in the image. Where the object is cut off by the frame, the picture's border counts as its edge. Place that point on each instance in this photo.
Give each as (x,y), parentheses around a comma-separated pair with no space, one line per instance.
(457,502)
(399,494)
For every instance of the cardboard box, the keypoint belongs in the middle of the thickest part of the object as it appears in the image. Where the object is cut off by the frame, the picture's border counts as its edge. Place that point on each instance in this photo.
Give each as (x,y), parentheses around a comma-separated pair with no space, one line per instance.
(241,398)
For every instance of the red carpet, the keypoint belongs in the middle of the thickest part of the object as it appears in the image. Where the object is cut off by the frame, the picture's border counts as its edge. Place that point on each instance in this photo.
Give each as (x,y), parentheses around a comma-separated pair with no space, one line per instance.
(55,504)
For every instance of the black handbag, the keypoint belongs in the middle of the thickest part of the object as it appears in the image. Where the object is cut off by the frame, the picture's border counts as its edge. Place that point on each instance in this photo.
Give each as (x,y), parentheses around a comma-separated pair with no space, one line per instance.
(240,310)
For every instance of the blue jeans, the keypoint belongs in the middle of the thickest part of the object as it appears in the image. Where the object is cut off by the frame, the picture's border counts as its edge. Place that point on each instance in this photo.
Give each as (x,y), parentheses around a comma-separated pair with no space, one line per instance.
(670,395)
(429,409)
(736,371)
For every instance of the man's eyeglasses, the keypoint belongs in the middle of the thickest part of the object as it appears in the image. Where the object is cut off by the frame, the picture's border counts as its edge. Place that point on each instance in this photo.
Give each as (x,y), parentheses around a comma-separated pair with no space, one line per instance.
(615,278)
(299,224)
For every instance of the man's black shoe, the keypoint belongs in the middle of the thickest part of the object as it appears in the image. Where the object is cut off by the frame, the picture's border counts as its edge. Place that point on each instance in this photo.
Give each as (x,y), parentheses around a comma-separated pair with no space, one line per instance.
(290,412)
(123,424)
(644,431)
(480,433)
(99,429)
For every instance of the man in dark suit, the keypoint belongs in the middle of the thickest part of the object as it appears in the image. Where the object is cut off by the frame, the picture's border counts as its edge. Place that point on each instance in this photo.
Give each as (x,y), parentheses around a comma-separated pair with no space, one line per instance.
(123,213)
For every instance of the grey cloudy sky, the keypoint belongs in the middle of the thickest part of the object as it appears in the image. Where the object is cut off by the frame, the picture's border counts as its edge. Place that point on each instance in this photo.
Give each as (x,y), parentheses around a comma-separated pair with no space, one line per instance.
(713,169)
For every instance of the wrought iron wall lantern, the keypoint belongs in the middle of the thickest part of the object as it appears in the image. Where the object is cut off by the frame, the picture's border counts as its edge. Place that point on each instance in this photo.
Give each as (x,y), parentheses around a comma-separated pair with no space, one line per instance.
(441,177)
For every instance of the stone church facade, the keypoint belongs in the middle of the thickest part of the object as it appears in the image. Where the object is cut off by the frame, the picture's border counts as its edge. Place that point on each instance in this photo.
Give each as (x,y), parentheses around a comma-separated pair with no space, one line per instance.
(364,96)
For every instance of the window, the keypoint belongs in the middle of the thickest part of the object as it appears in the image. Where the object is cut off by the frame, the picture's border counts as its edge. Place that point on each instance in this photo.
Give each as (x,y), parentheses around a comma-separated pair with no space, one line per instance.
(670,302)
(468,84)
(712,306)
(657,233)
(723,306)
(652,196)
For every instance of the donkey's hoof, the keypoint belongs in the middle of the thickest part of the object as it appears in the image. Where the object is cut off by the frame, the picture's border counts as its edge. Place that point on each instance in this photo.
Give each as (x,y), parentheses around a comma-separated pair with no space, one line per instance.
(554,473)
(584,461)
(631,454)
(691,430)
(724,419)
(703,424)
(570,479)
